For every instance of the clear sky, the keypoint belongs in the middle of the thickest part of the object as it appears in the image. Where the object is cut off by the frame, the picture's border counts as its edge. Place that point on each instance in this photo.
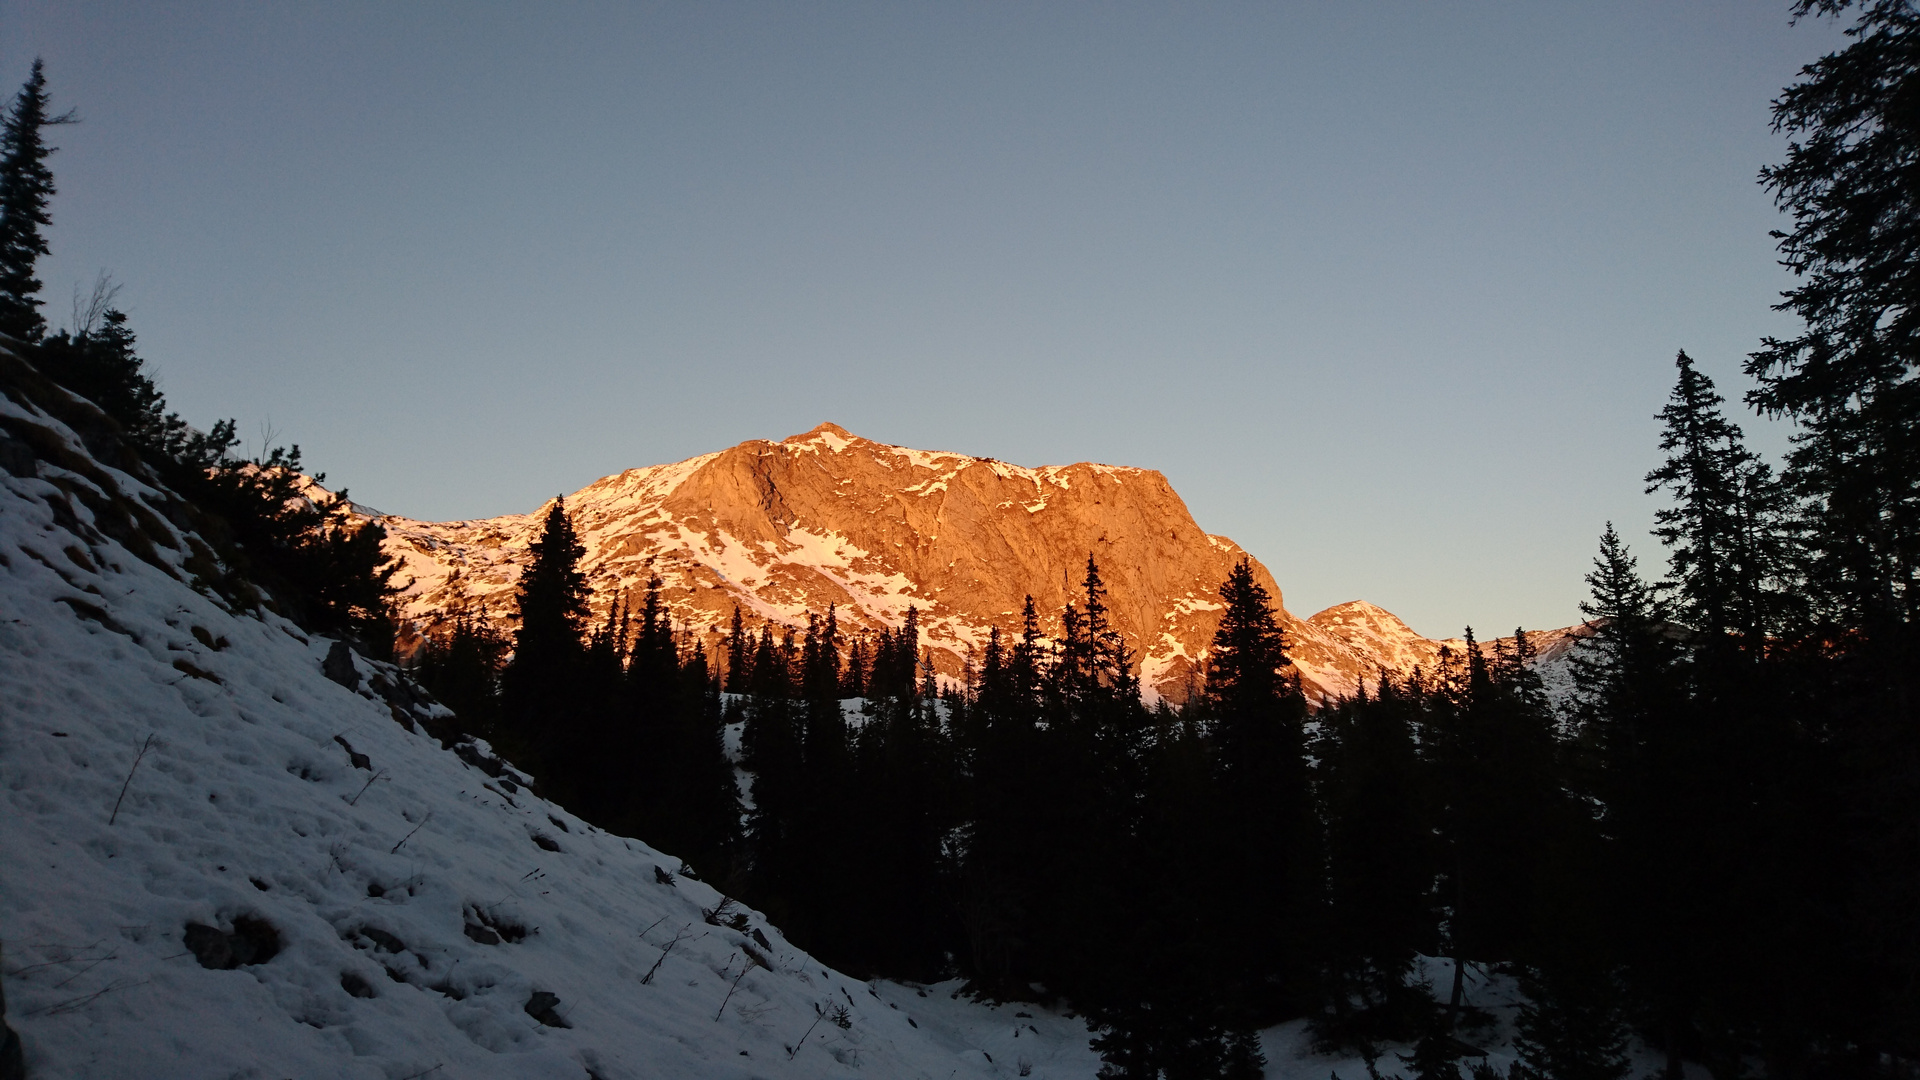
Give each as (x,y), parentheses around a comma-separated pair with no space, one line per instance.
(1389,291)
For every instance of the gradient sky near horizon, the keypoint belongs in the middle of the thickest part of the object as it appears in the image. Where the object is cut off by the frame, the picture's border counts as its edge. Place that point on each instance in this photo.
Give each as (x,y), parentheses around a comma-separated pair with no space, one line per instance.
(1389,291)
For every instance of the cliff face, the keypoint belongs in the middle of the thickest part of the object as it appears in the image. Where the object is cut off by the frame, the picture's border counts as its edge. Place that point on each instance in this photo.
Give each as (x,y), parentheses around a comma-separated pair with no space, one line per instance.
(784,528)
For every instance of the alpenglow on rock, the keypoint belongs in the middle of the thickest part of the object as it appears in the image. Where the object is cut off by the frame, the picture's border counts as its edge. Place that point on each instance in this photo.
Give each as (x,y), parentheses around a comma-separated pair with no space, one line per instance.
(784,528)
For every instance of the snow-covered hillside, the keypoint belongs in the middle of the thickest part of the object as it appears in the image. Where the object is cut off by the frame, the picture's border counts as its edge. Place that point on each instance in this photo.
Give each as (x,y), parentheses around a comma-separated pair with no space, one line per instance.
(230,849)
(781,529)
(373,904)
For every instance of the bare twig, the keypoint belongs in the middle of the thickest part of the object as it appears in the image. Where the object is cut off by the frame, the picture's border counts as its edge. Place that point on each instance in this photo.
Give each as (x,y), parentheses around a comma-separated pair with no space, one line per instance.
(84,970)
(424,1072)
(381,775)
(423,824)
(649,929)
(85,1000)
(144,747)
(663,954)
(819,1014)
(744,968)
(67,959)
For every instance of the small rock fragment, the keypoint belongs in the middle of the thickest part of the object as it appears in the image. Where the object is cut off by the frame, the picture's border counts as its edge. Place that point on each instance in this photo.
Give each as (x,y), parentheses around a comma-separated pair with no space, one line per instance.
(541,1007)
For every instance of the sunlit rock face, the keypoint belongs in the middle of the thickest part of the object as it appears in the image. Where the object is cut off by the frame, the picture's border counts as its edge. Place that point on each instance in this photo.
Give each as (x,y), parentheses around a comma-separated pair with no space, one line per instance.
(784,528)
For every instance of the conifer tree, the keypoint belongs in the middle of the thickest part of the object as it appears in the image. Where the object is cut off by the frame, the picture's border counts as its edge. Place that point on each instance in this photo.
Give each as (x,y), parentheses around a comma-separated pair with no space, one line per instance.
(1500,809)
(739,655)
(540,696)
(1010,814)
(1377,820)
(1849,381)
(771,749)
(1571,1028)
(96,359)
(1256,712)
(1848,377)
(678,780)
(460,658)
(1669,764)
(1720,530)
(26,189)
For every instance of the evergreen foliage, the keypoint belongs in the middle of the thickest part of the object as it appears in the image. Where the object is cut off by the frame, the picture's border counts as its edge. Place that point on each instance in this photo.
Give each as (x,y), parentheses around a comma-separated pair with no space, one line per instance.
(1712,844)
(279,541)
(26,189)
(541,689)
(459,658)
(1721,530)
(1848,378)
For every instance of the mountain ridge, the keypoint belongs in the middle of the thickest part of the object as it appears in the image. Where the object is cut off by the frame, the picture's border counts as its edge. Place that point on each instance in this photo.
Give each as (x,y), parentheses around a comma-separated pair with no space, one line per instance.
(827,517)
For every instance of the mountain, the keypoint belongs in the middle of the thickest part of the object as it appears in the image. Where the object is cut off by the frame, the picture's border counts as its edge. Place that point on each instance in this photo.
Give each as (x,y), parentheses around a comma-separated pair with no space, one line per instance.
(235,848)
(784,528)
(232,848)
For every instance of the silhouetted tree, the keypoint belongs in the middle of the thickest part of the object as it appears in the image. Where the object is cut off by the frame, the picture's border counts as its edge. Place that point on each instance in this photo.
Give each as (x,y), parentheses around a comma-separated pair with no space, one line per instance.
(26,189)
(540,688)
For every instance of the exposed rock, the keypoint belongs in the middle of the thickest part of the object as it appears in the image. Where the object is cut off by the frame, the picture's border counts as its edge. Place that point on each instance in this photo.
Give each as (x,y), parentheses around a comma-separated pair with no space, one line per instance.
(784,528)
(252,941)
(541,1007)
(359,760)
(382,939)
(13,1062)
(338,666)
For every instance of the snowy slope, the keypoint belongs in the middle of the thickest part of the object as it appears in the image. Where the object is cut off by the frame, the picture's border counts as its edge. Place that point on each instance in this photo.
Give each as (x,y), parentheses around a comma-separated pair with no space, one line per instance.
(381,880)
(780,529)
(186,786)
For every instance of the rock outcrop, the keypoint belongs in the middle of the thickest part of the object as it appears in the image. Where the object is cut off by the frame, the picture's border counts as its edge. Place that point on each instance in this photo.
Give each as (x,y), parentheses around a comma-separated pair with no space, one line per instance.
(784,528)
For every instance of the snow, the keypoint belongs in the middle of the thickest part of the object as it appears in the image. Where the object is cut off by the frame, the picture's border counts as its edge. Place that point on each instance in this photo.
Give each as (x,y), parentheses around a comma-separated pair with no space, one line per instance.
(166,762)
(244,806)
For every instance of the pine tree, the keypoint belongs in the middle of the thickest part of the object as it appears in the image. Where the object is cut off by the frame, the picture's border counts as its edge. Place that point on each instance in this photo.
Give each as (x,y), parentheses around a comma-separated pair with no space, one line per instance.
(771,750)
(1572,1027)
(1849,381)
(1721,529)
(96,359)
(26,189)
(1625,659)
(1377,820)
(459,660)
(1260,804)
(1500,809)
(739,658)
(1010,815)
(1256,712)
(671,766)
(540,696)
(1848,378)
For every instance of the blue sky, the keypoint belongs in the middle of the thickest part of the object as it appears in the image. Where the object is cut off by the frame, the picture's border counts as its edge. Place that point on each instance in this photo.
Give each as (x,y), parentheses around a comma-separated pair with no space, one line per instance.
(1389,291)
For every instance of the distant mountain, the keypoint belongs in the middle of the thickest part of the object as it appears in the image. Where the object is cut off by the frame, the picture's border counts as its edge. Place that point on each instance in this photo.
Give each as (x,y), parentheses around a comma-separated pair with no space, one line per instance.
(233,848)
(784,528)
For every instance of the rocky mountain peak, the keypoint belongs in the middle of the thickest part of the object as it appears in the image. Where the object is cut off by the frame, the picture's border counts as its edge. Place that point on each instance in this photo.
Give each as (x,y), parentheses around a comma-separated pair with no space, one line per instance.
(829,518)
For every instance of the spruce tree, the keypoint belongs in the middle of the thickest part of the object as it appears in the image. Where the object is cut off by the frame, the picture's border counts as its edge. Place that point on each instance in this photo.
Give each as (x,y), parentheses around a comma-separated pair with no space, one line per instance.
(1849,380)
(1848,377)
(1011,815)
(1256,713)
(739,655)
(540,696)
(1500,807)
(1376,814)
(771,750)
(459,660)
(1572,1027)
(1721,529)
(26,189)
